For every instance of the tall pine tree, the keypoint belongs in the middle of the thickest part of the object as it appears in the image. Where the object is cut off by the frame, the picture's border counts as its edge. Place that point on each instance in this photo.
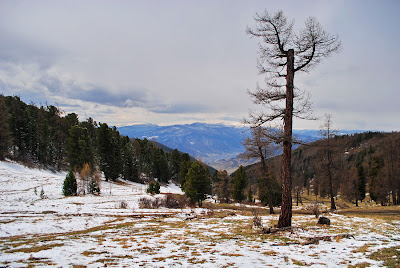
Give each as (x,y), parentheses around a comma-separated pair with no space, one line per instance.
(239,185)
(5,140)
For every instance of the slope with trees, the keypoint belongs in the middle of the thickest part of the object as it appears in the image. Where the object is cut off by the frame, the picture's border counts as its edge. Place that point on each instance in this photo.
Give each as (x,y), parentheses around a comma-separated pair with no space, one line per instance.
(362,165)
(45,137)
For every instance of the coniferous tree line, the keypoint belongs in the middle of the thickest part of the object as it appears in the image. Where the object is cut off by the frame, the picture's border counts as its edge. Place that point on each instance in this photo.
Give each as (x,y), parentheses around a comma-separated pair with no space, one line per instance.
(43,136)
(363,166)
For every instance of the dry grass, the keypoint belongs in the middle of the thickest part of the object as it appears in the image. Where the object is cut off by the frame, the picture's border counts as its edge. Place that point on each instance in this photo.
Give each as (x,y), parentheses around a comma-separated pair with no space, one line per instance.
(389,256)
(92,253)
(270,253)
(390,213)
(35,248)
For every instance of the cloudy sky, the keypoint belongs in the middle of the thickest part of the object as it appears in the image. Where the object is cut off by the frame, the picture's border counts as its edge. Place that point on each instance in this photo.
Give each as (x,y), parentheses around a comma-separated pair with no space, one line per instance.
(181,61)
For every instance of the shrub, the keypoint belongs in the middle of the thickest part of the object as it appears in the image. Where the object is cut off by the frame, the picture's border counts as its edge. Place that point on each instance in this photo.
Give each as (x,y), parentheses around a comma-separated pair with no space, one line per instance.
(157,187)
(154,188)
(257,220)
(169,201)
(176,201)
(315,209)
(93,187)
(123,205)
(145,202)
(42,194)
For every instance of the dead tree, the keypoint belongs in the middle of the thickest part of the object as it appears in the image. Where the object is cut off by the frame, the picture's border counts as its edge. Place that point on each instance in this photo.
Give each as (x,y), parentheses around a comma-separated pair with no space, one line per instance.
(328,133)
(281,55)
(261,145)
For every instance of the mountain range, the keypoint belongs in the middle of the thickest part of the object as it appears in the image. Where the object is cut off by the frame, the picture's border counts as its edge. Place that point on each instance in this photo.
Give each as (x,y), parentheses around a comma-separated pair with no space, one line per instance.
(218,145)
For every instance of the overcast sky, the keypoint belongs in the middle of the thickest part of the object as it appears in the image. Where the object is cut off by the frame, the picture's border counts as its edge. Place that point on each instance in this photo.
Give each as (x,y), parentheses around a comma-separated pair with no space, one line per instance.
(172,62)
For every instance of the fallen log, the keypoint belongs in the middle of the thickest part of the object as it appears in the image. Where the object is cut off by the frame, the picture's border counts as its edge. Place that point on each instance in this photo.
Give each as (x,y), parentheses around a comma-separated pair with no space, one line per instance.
(329,238)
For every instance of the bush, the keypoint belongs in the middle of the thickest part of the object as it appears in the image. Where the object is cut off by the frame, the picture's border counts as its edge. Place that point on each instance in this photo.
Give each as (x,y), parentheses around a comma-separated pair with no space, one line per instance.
(70,186)
(257,221)
(176,201)
(123,205)
(315,209)
(145,202)
(169,201)
(93,187)
(42,194)
(154,188)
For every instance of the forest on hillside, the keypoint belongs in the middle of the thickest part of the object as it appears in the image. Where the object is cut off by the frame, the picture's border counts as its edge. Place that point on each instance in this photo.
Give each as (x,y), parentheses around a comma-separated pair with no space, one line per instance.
(45,137)
(363,166)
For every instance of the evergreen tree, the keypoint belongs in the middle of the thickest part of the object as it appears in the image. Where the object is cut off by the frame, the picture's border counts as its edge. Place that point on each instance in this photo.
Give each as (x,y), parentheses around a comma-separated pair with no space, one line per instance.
(157,187)
(69,121)
(145,156)
(109,150)
(5,140)
(164,173)
(104,148)
(250,195)
(272,196)
(44,144)
(116,163)
(375,185)
(361,183)
(150,188)
(160,168)
(198,183)
(58,138)
(80,149)
(18,125)
(175,164)
(130,165)
(70,186)
(93,187)
(184,168)
(223,186)
(239,185)
(154,188)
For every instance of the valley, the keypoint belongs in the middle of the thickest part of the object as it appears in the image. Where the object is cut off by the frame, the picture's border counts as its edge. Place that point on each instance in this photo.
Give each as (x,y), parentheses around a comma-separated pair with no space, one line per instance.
(218,145)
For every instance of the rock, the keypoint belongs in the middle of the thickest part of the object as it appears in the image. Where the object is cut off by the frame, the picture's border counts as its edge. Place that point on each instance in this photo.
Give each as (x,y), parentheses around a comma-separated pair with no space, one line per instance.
(190,216)
(324,220)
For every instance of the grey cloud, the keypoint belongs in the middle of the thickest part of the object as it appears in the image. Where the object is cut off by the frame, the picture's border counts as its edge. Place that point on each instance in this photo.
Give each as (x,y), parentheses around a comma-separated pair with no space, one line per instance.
(96,93)
(134,98)
(180,108)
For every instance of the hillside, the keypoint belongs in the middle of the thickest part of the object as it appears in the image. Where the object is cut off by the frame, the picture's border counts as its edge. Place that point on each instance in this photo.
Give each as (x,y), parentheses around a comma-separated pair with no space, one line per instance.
(45,137)
(370,160)
(169,151)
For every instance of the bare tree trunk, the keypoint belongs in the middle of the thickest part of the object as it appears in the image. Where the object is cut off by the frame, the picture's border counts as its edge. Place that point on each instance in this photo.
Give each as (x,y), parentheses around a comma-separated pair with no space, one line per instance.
(392,172)
(285,218)
(333,206)
(267,182)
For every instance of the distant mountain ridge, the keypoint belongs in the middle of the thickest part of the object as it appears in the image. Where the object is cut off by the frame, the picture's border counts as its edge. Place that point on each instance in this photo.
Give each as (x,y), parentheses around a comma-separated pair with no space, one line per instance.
(209,141)
(217,144)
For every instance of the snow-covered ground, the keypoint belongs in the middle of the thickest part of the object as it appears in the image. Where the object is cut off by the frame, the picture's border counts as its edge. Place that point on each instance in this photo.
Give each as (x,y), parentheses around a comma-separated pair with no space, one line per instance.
(95,231)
